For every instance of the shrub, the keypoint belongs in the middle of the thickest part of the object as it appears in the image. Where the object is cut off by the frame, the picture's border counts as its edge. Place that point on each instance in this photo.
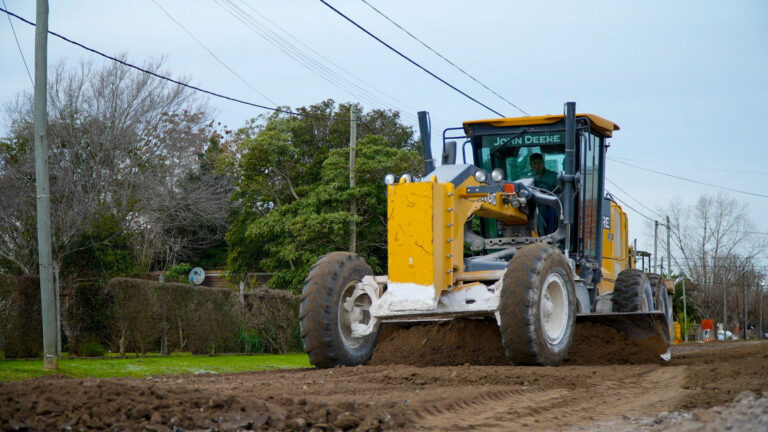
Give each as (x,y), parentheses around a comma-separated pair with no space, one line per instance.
(92,349)
(178,273)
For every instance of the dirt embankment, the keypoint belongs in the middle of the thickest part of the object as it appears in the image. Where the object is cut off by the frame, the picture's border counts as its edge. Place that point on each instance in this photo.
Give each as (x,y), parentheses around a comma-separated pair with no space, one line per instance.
(581,394)
(478,342)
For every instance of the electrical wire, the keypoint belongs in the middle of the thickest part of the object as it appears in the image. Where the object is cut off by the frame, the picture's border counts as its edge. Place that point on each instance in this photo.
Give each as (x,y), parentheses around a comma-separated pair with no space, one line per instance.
(211,53)
(444,58)
(689,180)
(632,208)
(19,46)
(635,199)
(312,64)
(678,165)
(183,84)
(332,63)
(410,60)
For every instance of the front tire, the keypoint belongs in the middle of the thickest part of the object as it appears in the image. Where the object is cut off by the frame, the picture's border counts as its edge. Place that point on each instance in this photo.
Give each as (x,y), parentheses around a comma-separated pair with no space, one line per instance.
(328,311)
(536,308)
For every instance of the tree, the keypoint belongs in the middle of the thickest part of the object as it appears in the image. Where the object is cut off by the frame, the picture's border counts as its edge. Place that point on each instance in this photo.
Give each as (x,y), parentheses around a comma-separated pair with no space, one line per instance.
(715,245)
(294,190)
(125,147)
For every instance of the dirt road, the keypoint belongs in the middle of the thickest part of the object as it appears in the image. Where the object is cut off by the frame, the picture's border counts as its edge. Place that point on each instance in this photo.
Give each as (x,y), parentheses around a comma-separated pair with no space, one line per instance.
(584,394)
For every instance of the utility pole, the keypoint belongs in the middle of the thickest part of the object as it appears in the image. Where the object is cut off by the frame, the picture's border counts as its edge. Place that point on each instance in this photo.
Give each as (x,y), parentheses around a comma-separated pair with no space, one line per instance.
(655,245)
(685,313)
(760,297)
(635,252)
(47,295)
(669,250)
(745,312)
(58,309)
(352,156)
(724,308)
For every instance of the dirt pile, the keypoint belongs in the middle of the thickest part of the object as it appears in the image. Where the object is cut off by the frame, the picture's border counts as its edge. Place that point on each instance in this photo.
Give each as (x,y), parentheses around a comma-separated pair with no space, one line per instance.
(444,343)
(478,342)
(595,344)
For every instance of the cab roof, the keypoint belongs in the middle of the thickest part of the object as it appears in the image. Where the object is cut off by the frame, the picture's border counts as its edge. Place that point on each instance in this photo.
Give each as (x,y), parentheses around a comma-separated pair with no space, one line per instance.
(602,126)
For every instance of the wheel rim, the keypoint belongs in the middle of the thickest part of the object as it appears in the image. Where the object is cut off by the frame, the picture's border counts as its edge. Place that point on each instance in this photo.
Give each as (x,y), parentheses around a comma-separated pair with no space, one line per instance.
(354,311)
(553,308)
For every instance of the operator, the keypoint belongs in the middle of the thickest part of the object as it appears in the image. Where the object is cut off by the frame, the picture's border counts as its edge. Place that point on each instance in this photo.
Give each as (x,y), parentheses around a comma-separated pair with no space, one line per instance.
(542,177)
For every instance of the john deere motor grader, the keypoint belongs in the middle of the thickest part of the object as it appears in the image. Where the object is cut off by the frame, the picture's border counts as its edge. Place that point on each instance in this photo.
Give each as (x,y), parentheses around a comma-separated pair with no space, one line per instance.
(492,241)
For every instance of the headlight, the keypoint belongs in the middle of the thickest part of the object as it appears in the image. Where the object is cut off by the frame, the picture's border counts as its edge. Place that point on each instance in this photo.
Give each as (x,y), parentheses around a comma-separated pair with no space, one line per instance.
(497,175)
(406,177)
(389,179)
(481,176)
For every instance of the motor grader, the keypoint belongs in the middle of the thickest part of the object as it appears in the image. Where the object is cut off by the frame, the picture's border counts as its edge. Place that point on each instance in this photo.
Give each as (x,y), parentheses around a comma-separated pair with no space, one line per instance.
(493,240)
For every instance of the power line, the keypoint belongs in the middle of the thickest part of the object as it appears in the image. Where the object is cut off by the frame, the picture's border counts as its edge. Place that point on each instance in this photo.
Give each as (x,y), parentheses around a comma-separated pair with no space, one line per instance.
(443,57)
(636,200)
(690,180)
(165,78)
(632,208)
(409,59)
(19,46)
(301,57)
(211,53)
(739,171)
(343,70)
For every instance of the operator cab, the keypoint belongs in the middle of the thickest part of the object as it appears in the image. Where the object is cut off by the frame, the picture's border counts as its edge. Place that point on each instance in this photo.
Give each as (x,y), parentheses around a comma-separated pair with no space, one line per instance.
(509,144)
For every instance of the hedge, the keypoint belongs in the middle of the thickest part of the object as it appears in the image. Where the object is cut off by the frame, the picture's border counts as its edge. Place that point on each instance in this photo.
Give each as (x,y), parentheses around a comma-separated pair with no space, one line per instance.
(21,327)
(142,315)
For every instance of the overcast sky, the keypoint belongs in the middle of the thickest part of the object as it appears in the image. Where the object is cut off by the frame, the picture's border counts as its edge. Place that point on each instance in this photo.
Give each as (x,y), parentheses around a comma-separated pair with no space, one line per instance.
(687,81)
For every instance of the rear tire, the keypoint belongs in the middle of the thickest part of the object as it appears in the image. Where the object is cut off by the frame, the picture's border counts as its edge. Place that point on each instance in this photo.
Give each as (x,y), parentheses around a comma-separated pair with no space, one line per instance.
(324,320)
(661,299)
(632,292)
(536,308)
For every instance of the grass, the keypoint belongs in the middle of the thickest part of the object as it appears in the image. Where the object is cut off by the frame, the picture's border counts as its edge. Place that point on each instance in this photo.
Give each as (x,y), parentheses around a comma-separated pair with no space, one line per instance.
(11,370)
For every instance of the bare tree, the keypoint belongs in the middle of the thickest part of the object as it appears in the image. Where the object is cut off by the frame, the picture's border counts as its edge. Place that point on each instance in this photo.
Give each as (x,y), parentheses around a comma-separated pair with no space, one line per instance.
(122,143)
(714,243)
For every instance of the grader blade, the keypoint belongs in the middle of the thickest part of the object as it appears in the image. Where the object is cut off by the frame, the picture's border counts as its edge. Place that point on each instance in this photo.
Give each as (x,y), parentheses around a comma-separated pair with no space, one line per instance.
(649,329)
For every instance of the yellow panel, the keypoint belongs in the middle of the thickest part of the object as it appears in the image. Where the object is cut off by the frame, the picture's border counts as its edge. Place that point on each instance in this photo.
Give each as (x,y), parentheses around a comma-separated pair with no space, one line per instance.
(410,233)
(443,219)
(615,248)
(603,126)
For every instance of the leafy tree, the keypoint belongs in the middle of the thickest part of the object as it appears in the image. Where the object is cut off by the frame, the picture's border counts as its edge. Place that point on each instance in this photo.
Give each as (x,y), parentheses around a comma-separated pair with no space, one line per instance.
(294,190)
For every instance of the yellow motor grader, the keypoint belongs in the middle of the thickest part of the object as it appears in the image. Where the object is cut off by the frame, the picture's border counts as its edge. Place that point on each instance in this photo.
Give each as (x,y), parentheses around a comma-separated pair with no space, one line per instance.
(526,236)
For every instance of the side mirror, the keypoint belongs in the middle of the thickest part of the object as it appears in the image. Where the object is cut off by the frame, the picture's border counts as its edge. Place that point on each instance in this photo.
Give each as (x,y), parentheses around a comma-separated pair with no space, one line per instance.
(449,153)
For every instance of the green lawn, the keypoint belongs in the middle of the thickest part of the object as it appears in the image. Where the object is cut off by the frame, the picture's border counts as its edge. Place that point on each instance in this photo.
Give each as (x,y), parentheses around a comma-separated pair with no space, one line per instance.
(152,365)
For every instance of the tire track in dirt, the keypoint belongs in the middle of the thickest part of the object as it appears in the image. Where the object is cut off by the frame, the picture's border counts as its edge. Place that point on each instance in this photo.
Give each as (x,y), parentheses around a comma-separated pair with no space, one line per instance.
(556,408)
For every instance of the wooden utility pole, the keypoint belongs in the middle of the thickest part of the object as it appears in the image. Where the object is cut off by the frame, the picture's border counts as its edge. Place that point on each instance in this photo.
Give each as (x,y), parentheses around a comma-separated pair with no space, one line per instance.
(685,314)
(655,245)
(47,294)
(352,157)
(669,250)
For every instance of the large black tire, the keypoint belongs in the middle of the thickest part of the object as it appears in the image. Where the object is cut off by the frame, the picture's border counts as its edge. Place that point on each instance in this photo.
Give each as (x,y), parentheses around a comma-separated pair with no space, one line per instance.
(327,338)
(661,299)
(537,308)
(632,292)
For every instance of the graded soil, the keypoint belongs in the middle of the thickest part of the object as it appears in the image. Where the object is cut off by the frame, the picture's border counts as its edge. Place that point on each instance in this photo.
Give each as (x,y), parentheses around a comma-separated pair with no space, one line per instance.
(700,378)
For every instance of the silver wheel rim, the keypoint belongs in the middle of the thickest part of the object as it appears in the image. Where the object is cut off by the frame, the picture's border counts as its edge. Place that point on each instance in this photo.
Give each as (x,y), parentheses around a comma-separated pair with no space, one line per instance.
(553,308)
(354,310)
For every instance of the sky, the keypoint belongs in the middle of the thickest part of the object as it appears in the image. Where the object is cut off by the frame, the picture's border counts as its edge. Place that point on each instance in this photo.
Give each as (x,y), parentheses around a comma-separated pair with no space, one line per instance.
(686,81)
